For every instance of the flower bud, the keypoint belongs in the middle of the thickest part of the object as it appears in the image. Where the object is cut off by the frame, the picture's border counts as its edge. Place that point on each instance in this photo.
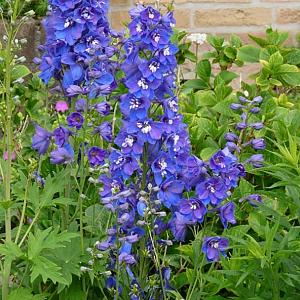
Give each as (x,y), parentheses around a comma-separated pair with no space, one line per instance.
(258,144)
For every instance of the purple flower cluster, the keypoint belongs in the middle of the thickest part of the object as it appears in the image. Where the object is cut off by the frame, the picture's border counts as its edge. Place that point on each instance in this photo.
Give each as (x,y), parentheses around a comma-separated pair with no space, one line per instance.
(79,54)
(246,129)
(78,47)
(151,165)
(63,153)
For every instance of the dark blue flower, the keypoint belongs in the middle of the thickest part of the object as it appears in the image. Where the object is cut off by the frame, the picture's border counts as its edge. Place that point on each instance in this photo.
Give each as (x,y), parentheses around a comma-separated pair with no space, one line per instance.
(258,144)
(214,246)
(212,190)
(61,136)
(75,119)
(163,167)
(222,161)
(41,139)
(170,192)
(227,214)
(129,143)
(96,156)
(193,209)
(62,155)
(105,130)
(178,226)
(103,108)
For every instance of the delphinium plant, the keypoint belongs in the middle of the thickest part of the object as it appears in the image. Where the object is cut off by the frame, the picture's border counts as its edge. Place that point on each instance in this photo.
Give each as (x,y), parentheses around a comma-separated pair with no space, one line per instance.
(79,55)
(156,189)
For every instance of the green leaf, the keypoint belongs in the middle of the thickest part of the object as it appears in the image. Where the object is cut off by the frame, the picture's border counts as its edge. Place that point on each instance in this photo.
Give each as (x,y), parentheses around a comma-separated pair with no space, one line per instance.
(207,153)
(259,41)
(293,57)
(223,107)
(205,98)
(47,270)
(10,250)
(215,41)
(275,60)
(47,239)
(290,74)
(228,76)
(24,294)
(203,70)
(235,41)
(198,84)
(230,52)
(19,71)
(248,53)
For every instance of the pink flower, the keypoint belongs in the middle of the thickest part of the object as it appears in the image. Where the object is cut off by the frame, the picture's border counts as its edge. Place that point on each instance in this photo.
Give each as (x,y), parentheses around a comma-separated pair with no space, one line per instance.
(61,106)
(13,155)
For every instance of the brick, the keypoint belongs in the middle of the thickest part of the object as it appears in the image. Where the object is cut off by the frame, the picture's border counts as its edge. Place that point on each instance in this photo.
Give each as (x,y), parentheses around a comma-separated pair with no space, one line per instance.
(233,17)
(288,15)
(182,17)
(278,1)
(118,18)
(119,2)
(213,1)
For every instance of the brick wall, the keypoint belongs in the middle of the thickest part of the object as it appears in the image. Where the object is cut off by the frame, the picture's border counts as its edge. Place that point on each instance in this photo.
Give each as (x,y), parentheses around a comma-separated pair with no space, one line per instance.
(225,16)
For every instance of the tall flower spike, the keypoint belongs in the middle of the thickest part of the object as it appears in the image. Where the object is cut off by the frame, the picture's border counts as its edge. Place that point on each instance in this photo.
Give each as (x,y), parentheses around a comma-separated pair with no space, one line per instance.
(78,47)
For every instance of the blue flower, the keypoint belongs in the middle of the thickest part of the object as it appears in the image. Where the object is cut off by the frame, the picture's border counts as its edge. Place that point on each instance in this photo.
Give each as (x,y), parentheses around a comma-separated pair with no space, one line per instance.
(105,130)
(214,246)
(170,192)
(75,119)
(178,226)
(222,161)
(212,190)
(146,130)
(96,156)
(135,108)
(163,167)
(61,136)
(193,209)
(62,155)
(41,139)
(123,165)
(129,143)
(227,214)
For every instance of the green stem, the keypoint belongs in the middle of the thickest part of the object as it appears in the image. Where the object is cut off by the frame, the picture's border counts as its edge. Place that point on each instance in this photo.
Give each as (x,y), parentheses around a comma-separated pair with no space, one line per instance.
(23,212)
(157,260)
(9,142)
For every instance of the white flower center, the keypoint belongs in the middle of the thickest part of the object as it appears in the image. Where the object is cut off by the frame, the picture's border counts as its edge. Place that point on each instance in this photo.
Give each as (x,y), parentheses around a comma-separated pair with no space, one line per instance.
(212,189)
(163,165)
(156,37)
(96,44)
(176,139)
(193,206)
(129,140)
(138,28)
(167,51)
(119,160)
(134,103)
(86,15)
(145,127)
(215,245)
(173,105)
(151,16)
(154,66)
(68,23)
(143,84)
(115,187)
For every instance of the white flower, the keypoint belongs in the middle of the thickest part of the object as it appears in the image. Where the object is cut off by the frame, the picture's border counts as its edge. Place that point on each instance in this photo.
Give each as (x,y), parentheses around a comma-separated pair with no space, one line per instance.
(199,38)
